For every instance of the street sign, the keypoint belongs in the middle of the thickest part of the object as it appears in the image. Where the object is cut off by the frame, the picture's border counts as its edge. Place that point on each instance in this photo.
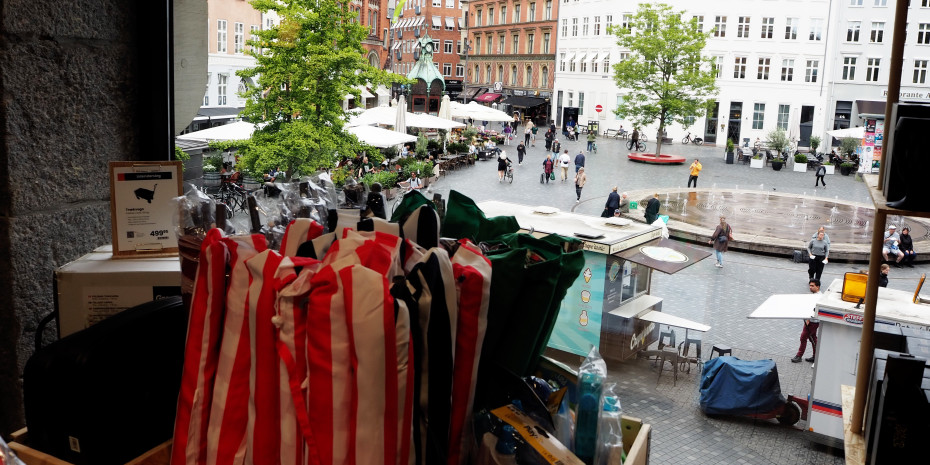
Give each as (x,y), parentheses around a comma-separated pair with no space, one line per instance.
(598,108)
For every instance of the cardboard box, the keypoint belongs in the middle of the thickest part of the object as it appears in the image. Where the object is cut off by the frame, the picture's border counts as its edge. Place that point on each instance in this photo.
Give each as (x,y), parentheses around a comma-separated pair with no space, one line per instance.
(97,286)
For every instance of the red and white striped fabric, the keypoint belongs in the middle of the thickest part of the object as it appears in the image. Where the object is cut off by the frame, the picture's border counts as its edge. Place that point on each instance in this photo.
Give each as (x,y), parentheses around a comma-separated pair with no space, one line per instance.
(200,354)
(299,231)
(472,272)
(229,412)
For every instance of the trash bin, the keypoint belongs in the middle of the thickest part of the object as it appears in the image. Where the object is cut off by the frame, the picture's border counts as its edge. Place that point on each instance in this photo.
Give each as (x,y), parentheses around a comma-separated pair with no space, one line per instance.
(593,127)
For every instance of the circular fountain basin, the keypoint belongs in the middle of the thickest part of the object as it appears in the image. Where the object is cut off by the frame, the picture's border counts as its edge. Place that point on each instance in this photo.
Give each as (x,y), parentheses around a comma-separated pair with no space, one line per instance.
(662,159)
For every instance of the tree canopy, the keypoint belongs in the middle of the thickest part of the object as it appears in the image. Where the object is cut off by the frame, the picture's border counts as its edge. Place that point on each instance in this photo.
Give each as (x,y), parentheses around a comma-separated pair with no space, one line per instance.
(666,77)
(305,66)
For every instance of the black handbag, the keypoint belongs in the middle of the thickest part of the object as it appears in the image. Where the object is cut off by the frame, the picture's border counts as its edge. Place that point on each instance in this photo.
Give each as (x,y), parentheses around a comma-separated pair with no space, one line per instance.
(605,213)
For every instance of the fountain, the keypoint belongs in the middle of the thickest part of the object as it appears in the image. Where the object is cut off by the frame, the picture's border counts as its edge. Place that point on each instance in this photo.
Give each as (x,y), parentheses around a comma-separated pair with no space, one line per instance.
(761,187)
(684,207)
(803,201)
(666,204)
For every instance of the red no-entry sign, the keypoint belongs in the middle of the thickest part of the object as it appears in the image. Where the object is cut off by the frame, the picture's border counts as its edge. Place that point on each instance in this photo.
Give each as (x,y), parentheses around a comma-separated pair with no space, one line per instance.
(598,108)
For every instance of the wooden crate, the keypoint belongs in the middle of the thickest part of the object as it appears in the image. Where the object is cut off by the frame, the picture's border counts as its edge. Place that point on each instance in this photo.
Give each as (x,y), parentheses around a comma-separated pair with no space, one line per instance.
(637,437)
(160,455)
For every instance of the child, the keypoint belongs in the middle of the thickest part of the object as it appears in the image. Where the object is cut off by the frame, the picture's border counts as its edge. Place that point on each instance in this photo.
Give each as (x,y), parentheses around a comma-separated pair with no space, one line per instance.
(883,278)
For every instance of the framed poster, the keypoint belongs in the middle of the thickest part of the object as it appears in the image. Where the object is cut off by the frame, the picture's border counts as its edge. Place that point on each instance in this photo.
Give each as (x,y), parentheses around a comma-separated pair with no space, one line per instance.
(141,210)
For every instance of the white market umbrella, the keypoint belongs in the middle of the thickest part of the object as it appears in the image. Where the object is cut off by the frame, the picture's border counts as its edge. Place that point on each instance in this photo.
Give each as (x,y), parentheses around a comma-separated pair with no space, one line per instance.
(478,112)
(445,108)
(240,130)
(856,133)
(794,125)
(386,116)
(422,120)
(380,137)
(400,122)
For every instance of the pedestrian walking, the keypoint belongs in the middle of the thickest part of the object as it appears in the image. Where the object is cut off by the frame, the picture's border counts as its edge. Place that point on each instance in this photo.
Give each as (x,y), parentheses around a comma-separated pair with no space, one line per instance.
(612,205)
(818,249)
(548,167)
(556,148)
(564,162)
(579,161)
(521,151)
(580,179)
(819,174)
(534,129)
(695,170)
(592,136)
(652,209)
(508,134)
(809,332)
(502,165)
(549,136)
(526,134)
(720,239)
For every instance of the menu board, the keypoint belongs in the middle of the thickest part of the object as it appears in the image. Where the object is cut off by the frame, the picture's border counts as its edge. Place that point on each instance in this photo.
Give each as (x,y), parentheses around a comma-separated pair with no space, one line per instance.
(141,207)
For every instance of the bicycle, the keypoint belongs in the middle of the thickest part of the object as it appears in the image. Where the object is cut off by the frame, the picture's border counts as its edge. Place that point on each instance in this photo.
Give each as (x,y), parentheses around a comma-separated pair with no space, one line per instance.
(232,196)
(695,140)
(399,197)
(640,146)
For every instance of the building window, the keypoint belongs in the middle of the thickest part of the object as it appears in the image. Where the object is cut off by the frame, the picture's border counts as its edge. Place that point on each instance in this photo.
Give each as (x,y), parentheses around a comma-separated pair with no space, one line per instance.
(849,68)
(437,23)
(758,115)
(500,73)
(783,112)
(516,13)
(625,22)
(528,77)
(608,22)
(584,65)
(871,71)
(545,77)
(564,27)
(920,71)
(437,3)
(459,70)
(852,31)
(597,25)
(221,35)
(222,80)
(447,69)
(718,65)
(720,26)
(545,43)
(450,3)
(238,38)
(768,28)
(816,29)
(531,14)
(739,68)
(787,70)
(574,27)
(487,74)
(561,62)
(742,27)
(458,47)
(923,3)
(503,15)
(253,33)
(594,65)
(584,27)
(513,75)
(478,17)
(548,10)
(571,66)
(810,72)
(581,103)
(791,28)
(500,44)
(881,2)
(878,32)
(619,104)
(764,64)
(515,45)
(476,76)
(698,22)
(478,44)
(447,46)
(858,2)
(490,16)
(530,43)
(923,33)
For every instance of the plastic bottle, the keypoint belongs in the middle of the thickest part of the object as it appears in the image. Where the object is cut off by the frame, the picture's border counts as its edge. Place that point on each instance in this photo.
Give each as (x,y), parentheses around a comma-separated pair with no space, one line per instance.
(588,412)
(610,433)
(498,450)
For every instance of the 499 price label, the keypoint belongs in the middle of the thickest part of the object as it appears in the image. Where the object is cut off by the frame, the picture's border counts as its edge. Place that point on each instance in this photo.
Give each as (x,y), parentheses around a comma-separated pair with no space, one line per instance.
(142,207)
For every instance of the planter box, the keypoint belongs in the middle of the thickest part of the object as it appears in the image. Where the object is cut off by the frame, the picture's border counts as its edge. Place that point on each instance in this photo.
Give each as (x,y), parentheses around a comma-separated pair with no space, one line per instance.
(800,167)
(830,168)
(756,163)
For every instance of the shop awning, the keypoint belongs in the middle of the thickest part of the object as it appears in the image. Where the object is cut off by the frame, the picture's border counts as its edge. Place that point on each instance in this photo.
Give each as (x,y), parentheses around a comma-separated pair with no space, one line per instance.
(396,45)
(450,23)
(417,22)
(593,57)
(581,57)
(487,97)
(437,22)
(524,102)
(470,92)
(664,255)
(871,107)
(397,24)
(569,57)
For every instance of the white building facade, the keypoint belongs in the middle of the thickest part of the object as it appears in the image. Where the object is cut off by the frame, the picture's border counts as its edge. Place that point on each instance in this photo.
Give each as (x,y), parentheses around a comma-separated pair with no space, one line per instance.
(780,64)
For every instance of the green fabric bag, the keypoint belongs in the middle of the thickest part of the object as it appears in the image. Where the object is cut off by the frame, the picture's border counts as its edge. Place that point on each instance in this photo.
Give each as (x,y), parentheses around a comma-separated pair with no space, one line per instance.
(465,220)
(409,204)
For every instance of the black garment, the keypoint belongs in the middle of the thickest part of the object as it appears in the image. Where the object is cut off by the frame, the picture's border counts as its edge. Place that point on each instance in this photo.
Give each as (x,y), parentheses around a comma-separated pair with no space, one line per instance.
(692,178)
(821,172)
(549,138)
(906,246)
(815,267)
(521,151)
(501,164)
(652,210)
(613,203)
(635,136)
(882,280)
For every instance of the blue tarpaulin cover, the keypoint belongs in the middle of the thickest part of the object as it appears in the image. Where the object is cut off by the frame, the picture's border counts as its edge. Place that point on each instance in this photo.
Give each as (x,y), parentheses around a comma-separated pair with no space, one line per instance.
(739,387)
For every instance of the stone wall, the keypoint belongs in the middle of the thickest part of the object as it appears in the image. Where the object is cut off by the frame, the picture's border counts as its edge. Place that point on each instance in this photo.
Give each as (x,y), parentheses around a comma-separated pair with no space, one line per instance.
(70,83)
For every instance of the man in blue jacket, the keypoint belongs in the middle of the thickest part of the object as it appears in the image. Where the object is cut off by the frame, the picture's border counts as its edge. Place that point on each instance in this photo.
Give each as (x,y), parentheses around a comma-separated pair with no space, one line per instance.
(579,161)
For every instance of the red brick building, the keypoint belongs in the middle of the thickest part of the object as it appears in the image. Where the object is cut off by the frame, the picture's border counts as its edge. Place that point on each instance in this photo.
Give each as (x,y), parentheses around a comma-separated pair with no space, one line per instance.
(442,20)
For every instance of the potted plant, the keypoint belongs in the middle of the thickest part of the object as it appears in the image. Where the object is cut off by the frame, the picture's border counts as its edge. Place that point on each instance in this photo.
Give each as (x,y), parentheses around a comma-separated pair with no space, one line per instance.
(828,166)
(846,168)
(730,149)
(757,161)
(800,162)
(777,140)
(814,143)
(848,146)
(777,163)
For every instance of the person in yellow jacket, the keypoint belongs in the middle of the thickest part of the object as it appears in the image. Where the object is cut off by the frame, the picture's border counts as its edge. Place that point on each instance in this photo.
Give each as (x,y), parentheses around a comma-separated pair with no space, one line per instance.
(695,170)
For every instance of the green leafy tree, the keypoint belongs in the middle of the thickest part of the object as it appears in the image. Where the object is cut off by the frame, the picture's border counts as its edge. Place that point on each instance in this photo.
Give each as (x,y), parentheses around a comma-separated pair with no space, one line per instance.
(666,77)
(305,67)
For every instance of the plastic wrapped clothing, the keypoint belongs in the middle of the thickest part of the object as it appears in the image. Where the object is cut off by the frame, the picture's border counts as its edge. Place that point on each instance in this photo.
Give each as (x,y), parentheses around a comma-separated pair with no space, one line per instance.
(739,387)
(464,220)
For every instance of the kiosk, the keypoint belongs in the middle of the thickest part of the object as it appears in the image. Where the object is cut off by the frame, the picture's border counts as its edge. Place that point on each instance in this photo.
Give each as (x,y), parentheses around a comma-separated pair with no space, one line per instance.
(609,305)
(838,343)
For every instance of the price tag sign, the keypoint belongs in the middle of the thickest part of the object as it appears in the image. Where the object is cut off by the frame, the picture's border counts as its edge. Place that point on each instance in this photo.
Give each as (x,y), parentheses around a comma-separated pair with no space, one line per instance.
(141,210)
